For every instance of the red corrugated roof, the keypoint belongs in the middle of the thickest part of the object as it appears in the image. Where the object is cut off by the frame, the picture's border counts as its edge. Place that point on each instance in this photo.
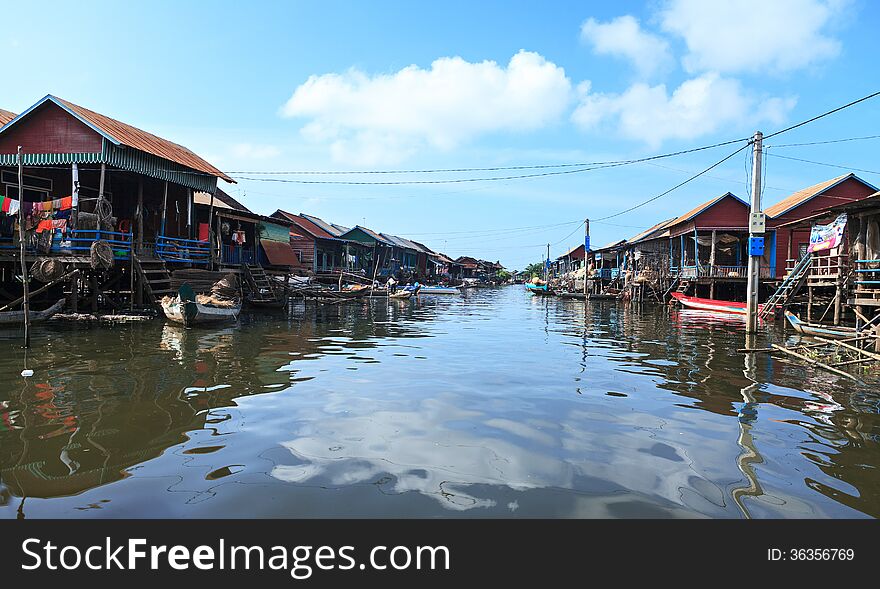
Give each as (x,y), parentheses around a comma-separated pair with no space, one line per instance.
(803,195)
(306,225)
(139,139)
(6,116)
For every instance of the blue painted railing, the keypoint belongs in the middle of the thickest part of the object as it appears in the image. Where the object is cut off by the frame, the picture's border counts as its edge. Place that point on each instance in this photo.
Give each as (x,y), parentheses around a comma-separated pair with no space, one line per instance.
(236,254)
(78,242)
(175,249)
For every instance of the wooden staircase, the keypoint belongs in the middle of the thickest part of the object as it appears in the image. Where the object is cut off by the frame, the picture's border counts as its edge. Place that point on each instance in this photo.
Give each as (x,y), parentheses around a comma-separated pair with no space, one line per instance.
(259,285)
(154,277)
(789,287)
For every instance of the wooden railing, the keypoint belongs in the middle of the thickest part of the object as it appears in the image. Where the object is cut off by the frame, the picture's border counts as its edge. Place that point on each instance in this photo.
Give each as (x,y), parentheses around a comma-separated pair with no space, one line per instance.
(830,266)
(718,271)
(175,249)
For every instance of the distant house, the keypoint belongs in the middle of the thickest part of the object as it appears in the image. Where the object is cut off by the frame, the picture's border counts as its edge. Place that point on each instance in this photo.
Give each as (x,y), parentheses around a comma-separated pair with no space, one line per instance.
(319,246)
(379,251)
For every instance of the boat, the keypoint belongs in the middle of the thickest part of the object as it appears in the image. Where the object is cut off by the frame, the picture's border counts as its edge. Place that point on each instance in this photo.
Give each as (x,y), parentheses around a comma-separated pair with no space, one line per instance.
(538,289)
(18,316)
(434,289)
(186,310)
(401,295)
(804,328)
(715,305)
(571,295)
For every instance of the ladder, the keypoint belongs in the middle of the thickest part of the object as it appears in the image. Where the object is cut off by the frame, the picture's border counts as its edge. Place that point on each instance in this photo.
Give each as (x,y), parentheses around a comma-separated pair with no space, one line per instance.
(259,284)
(154,277)
(683,286)
(788,288)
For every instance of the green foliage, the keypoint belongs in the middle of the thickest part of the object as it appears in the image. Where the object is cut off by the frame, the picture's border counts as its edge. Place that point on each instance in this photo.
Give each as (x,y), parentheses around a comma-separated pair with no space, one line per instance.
(503,275)
(536,269)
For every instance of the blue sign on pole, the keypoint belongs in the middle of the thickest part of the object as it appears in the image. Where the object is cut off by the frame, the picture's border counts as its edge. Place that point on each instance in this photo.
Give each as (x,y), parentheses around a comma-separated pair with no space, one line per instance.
(586,243)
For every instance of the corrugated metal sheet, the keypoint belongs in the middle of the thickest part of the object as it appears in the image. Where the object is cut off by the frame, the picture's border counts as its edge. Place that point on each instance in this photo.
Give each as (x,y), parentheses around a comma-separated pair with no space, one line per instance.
(6,116)
(135,160)
(802,196)
(141,140)
(278,253)
(49,159)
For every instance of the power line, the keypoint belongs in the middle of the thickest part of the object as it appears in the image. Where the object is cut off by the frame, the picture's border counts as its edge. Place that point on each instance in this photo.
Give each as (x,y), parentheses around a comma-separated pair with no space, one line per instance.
(676,187)
(824,114)
(825,142)
(797,159)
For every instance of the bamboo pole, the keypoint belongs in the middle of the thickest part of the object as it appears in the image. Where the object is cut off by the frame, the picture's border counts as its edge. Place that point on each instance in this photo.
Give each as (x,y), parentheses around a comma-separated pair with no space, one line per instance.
(25,279)
(850,347)
(18,301)
(813,362)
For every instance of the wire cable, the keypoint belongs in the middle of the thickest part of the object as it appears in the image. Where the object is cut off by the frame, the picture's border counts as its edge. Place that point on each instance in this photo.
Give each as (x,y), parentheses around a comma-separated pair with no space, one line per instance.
(824,114)
(797,159)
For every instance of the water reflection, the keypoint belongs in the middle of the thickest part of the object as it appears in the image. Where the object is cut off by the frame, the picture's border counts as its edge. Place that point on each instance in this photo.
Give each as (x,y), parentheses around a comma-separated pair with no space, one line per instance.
(497,404)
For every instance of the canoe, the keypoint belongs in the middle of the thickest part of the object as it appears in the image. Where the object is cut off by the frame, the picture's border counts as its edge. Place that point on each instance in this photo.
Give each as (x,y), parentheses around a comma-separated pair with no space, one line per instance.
(804,328)
(185,310)
(571,295)
(401,294)
(18,316)
(715,305)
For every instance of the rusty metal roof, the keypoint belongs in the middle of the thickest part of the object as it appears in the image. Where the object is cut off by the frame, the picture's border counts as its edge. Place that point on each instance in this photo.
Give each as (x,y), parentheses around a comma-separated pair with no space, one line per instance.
(6,116)
(805,194)
(120,133)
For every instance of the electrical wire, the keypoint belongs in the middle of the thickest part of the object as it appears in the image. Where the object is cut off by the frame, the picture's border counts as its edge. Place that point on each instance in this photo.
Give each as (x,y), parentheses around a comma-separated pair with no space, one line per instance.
(824,114)
(797,159)
(676,187)
(827,142)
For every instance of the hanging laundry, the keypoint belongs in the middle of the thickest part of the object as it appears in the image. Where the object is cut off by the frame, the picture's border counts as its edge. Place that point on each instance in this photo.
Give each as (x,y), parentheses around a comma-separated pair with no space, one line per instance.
(238,237)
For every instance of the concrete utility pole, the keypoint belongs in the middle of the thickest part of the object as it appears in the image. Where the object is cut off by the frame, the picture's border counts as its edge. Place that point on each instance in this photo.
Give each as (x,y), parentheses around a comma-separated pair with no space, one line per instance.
(757,222)
(586,254)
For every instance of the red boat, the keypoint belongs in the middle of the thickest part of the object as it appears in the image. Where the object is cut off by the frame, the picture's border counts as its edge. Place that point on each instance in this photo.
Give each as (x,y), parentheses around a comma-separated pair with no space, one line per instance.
(711,304)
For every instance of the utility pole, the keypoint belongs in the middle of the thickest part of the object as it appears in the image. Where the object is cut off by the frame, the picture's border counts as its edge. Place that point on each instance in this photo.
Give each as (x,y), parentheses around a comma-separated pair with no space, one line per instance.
(547,265)
(757,225)
(26,299)
(586,253)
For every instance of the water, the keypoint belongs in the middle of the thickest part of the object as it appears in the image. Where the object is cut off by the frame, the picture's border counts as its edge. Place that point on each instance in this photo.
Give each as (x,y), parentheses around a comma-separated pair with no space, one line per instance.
(497,404)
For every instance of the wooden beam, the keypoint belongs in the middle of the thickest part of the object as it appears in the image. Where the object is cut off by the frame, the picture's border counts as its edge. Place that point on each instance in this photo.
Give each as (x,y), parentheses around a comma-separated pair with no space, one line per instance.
(812,362)
(19,300)
(850,347)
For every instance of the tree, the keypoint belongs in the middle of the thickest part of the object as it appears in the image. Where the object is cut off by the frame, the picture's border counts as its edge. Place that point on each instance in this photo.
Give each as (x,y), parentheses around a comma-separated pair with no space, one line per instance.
(503,275)
(536,269)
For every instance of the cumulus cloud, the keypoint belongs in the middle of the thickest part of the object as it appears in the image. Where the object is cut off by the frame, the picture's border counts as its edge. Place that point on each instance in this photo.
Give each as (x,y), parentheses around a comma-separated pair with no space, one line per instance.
(384,118)
(753,35)
(698,107)
(624,37)
(254,151)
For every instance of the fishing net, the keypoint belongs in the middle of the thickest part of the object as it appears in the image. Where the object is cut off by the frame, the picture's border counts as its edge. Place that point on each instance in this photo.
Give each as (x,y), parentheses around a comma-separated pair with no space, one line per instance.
(47,270)
(100,255)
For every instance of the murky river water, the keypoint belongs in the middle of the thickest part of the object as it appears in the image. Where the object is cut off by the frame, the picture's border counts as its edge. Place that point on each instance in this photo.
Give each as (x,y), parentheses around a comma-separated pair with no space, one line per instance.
(497,404)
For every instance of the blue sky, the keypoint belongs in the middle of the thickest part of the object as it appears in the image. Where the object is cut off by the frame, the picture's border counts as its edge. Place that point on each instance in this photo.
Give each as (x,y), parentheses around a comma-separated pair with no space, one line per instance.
(292,86)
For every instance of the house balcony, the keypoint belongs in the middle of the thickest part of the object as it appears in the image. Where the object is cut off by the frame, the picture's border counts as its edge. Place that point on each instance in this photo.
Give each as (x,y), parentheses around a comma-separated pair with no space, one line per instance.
(74,243)
(184,251)
(717,272)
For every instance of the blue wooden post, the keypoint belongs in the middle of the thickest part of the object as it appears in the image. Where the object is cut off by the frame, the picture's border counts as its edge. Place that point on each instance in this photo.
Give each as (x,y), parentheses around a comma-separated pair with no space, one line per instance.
(696,251)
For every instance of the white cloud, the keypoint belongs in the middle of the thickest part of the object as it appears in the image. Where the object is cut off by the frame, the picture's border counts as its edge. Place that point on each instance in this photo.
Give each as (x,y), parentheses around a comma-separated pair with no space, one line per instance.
(698,107)
(623,37)
(254,151)
(384,118)
(753,35)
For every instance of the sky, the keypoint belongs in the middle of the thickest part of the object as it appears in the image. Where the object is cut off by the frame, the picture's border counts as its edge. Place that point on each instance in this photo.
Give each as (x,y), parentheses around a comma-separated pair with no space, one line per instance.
(386,86)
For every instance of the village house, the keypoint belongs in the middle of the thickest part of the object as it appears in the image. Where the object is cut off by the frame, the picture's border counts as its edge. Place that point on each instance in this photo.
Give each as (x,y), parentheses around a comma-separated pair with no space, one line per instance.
(89,178)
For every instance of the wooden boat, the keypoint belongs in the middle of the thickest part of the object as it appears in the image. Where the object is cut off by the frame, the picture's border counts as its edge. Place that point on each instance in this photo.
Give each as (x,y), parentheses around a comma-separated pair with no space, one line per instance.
(186,310)
(401,295)
(571,295)
(804,328)
(538,289)
(7,317)
(435,289)
(715,305)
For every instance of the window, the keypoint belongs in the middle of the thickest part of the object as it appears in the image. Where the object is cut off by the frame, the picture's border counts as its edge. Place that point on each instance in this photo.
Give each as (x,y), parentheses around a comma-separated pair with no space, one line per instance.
(802,251)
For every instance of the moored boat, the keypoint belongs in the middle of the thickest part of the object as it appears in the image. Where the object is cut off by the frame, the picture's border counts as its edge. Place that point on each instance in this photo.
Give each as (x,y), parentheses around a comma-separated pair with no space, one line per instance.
(716,305)
(186,310)
(401,295)
(7,317)
(829,331)
(434,289)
